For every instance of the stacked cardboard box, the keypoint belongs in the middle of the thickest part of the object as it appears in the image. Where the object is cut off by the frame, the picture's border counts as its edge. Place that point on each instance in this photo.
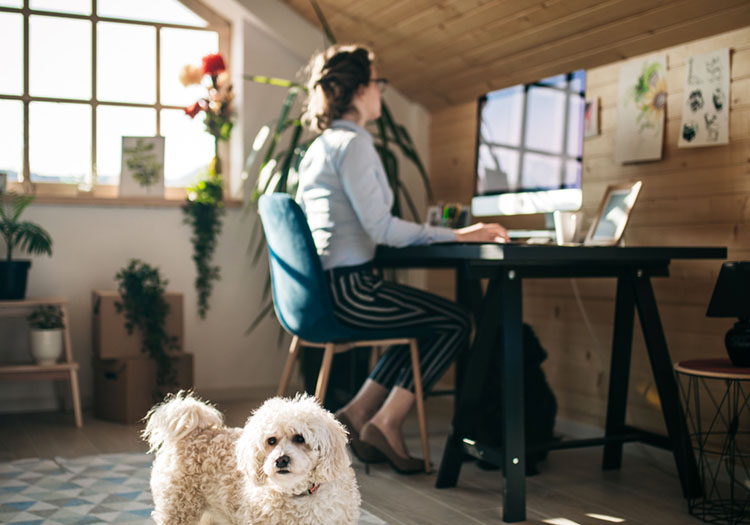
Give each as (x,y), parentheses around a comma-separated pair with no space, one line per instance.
(125,385)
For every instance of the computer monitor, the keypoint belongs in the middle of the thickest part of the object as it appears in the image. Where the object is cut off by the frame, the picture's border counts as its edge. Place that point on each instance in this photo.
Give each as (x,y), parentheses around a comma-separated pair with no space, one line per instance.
(529,147)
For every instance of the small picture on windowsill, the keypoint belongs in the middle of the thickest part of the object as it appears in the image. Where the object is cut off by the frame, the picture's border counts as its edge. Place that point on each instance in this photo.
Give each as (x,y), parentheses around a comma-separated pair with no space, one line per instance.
(142,172)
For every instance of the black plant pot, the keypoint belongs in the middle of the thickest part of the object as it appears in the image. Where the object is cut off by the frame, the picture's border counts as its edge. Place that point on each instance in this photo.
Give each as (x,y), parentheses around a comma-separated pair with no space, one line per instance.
(13,279)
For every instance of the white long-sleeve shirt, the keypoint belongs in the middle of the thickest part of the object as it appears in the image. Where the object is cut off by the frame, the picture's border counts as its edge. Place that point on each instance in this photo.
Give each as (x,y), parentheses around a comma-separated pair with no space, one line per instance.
(345,194)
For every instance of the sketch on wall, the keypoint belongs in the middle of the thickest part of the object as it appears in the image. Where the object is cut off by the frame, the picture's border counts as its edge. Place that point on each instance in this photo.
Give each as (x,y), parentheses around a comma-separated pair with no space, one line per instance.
(142,172)
(591,118)
(641,103)
(705,109)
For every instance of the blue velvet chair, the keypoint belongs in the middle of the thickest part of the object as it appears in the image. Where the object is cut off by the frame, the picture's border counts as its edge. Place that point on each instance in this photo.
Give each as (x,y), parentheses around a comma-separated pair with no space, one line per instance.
(303,304)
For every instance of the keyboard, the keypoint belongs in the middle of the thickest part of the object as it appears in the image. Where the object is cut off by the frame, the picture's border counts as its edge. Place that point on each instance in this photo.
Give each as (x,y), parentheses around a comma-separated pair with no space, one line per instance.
(531,234)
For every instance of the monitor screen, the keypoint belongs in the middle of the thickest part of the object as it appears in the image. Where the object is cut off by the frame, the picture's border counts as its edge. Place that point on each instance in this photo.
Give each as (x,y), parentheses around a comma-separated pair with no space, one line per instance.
(530,146)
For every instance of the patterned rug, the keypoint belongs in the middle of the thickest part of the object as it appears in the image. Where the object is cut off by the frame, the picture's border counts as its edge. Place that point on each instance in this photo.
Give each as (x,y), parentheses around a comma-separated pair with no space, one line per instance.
(110,488)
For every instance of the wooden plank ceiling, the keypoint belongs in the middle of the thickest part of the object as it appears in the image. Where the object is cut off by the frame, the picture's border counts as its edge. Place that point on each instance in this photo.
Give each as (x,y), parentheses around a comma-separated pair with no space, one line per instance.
(444,52)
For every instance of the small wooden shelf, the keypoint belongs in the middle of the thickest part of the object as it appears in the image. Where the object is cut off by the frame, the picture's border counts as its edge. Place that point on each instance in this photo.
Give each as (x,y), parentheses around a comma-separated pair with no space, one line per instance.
(66,370)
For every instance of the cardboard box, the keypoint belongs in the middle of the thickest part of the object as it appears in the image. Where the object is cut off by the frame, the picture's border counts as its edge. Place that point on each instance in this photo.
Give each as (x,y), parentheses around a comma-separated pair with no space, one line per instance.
(110,338)
(125,389)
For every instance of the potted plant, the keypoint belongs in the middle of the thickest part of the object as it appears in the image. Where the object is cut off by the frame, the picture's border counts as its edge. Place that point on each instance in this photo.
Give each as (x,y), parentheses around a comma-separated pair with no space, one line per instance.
(46,323)
(21,235)
(142,290)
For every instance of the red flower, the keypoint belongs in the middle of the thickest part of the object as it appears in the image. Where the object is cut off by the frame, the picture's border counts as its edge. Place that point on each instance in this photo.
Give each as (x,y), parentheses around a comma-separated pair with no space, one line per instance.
(213,64)
(192,111)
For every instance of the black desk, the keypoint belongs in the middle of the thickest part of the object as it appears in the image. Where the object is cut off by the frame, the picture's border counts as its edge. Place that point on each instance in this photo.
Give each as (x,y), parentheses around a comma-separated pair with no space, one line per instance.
(506,266)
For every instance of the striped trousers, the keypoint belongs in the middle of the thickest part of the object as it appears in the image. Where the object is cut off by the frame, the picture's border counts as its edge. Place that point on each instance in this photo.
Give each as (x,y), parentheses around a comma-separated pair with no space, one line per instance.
(364,301)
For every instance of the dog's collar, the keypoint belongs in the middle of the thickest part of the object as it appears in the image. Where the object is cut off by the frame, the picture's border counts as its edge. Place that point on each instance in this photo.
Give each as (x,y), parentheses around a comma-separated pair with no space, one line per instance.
(310,491)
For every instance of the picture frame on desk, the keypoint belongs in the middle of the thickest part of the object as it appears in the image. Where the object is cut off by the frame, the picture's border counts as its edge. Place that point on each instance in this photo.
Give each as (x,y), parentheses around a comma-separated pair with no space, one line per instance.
(613,214)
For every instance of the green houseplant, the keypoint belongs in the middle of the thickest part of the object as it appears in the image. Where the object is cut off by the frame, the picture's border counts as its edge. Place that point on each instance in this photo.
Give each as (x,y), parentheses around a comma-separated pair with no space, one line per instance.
(22,236)
(46,334)
(142,290)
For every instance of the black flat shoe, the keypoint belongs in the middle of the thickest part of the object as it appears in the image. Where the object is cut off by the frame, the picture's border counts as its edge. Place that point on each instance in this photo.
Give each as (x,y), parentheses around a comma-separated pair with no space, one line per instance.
(371,435)
(364,452)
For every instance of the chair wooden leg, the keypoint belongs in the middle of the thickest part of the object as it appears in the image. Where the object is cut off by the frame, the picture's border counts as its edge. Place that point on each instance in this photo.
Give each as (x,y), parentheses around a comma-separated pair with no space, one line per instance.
(325,372)
(419,394)
(289,366)
(75,395)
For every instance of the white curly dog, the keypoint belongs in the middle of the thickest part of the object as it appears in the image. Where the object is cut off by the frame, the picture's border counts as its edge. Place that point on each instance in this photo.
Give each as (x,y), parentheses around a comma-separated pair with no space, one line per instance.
(288,465)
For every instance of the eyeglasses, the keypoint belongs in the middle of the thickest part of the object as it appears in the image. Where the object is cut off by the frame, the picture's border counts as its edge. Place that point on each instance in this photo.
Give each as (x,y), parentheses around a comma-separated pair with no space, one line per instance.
(382,83)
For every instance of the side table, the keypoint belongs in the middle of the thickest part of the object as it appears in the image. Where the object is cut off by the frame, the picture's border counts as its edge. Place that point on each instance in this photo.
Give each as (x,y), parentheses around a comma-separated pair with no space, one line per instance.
(716,396)
(66,370)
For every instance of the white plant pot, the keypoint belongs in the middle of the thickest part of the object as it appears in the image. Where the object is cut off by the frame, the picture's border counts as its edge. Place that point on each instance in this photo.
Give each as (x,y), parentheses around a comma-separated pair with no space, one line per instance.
(47,345)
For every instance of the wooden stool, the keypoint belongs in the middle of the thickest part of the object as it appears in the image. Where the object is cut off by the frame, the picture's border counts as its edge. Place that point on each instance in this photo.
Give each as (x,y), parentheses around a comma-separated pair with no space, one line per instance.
(66,370)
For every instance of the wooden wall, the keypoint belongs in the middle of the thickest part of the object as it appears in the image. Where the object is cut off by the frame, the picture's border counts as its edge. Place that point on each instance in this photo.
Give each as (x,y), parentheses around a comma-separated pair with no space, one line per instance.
(694,196)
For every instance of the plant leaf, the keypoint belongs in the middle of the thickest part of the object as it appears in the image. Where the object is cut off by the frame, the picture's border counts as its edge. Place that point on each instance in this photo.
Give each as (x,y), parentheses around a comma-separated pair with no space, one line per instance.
(273,81)
(323,22)
(267,309)
(32,239)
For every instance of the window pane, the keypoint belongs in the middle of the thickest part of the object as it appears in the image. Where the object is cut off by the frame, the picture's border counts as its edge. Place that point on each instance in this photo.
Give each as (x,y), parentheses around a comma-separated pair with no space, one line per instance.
(169,11)
(497,170)
(178,48)
(59,142)
(11,3)
(188,147)
(545,119)
(11,137)
(542,171)
(501,116)
(126,73)
(575,125)
(79,7)
(113,123)
(60,57)
(11,58)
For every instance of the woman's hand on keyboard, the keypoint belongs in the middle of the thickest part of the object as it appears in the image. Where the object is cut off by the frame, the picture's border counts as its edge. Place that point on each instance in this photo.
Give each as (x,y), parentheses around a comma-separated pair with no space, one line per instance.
(481,232)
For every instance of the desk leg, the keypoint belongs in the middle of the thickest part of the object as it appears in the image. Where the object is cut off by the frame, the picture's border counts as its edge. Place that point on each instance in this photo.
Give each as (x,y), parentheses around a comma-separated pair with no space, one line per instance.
(661,364)
(619,375)
(514,451)
(470,389)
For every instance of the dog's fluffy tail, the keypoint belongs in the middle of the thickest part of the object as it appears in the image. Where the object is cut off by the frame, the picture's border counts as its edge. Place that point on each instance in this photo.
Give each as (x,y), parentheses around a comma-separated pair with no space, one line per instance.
(176,417)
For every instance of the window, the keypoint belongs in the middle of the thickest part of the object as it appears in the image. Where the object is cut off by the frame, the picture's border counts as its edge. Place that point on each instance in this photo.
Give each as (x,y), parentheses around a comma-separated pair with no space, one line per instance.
(531,136)
(78,75)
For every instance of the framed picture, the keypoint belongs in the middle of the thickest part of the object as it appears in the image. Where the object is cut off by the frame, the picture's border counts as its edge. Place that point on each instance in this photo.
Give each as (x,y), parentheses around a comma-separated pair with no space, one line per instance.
(591,118)
(614,212)
(142,171)
(3,182)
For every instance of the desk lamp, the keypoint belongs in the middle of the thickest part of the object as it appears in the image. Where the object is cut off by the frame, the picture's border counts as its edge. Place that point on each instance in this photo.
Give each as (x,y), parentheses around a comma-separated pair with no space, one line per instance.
(731,298)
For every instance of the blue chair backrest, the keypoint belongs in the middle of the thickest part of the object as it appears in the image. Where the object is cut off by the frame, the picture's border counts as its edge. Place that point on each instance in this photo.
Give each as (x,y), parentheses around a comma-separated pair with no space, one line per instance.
(300,290)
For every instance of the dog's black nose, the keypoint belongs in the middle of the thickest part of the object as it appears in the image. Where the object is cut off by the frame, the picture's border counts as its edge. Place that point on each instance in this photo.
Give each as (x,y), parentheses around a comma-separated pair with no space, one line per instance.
(282,461)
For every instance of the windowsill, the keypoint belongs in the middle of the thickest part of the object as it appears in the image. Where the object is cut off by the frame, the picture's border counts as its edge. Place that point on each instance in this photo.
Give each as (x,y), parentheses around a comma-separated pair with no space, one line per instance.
(90,200)
(107,196)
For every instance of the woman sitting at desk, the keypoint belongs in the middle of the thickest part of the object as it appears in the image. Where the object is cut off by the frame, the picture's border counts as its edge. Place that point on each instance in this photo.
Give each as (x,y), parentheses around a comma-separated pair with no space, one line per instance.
(345,194)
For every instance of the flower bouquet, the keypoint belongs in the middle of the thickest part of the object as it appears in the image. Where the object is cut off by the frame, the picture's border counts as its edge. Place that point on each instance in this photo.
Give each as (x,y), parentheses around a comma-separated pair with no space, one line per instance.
(203,209)
(217,104)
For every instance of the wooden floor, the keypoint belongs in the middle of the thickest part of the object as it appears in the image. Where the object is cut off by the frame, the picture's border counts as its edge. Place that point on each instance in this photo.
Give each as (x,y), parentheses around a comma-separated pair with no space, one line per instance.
(571,488)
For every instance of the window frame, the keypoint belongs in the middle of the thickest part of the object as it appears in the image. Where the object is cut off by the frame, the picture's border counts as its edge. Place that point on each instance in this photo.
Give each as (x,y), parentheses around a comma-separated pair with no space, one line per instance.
(90,191)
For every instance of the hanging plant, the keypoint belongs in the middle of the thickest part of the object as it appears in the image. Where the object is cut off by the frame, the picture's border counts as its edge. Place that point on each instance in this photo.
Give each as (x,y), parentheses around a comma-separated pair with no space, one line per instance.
(143,304)
(203,212)
(204,208)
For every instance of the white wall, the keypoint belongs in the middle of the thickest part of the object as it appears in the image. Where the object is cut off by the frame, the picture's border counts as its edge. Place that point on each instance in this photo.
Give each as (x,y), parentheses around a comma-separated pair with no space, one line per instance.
(91,243)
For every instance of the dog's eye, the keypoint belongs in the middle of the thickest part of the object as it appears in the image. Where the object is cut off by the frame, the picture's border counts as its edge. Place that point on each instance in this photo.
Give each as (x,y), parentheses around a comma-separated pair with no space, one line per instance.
(298,438)
(272,441)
